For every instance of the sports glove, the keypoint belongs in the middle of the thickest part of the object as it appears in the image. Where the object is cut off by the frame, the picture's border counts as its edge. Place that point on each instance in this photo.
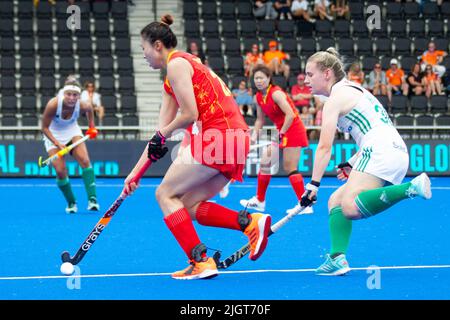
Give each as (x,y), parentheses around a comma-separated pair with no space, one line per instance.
(309,197)
(156,148)
(92,132)
(344,169)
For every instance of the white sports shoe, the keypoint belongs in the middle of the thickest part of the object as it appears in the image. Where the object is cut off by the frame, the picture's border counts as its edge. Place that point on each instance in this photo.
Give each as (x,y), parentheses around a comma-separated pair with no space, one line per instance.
(72,208)
(253,203)
(420,186)
(297,209)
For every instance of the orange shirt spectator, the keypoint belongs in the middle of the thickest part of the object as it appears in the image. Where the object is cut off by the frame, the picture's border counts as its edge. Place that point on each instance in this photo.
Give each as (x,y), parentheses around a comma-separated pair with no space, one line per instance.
(395,77)
(355,73)
(269,55)
(273,58)
(432,57)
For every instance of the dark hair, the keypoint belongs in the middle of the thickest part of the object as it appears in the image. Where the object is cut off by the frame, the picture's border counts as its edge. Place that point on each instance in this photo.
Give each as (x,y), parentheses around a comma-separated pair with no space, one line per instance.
(88,82)
(262,68)
(160,30)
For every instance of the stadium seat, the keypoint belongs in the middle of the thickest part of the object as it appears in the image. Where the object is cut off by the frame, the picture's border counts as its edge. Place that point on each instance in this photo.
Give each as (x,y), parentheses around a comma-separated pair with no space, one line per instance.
(289,45)
(341,28)
(424,120)
(28,105)
(229,29)
(394,10)
(402,46)
(7,46)
(430,10)
(411,10)
(232,47)
(323,28)
(209,10)
(9,104)
(27,65)
(100,10)
(325,43)
(397,28)
(235,65)
(128,104)
(399,104)
(244,10)
(217,64)
(435,28)
(119,10)
(210,29)
(101,28)
(416,28)
(25,26)
(419,104)
(66,65)
(103,47)
(248,28)
(105,66)
(8,85)
(122,47)
(266,28)
(286,29)
(214,47)
(438,104)
(27,85)
(7,65)
(359,29)
(227,11)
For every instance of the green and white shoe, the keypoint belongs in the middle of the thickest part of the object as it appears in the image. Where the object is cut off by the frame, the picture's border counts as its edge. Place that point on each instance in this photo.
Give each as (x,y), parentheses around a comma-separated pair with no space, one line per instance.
(93,204)
(72,208)
(420,186)
(337,266)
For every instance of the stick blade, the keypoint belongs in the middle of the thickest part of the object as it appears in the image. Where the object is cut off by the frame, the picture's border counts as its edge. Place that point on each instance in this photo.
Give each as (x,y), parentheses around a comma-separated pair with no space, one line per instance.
(40,162)
(65,256)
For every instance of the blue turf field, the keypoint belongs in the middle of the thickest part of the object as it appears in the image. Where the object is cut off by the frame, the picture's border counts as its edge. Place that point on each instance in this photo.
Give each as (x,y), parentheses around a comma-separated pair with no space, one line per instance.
(136,253)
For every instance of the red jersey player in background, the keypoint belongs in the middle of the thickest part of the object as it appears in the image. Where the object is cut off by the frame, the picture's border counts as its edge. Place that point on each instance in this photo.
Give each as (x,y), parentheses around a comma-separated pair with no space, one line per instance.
(195,176)
(272,101)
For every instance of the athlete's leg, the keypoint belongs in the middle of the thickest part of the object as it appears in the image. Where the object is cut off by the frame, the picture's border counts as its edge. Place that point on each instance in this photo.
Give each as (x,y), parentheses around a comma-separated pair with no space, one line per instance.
(62,180)
(80,153)
(372,201)
(340,227)
(258,202)
(255,226)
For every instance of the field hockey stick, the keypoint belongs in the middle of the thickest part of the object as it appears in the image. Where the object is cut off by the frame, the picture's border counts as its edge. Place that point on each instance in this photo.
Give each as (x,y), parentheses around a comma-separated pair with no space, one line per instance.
(61,153)
(103,222)
(246,249)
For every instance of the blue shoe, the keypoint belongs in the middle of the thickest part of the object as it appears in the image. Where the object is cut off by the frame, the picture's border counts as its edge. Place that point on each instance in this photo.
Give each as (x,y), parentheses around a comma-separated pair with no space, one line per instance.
(337,266)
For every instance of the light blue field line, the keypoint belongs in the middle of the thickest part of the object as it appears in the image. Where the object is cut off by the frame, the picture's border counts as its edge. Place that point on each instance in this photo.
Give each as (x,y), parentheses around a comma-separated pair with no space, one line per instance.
(159,274)
(104,185)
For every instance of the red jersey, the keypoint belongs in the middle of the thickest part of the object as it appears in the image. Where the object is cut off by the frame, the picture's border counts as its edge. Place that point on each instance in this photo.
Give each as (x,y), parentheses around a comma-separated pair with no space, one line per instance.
(272,110)
(296,134)
(215,104)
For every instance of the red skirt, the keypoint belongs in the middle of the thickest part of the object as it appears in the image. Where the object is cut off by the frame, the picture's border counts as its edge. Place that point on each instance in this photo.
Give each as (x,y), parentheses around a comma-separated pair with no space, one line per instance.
(296,136)
(224,150)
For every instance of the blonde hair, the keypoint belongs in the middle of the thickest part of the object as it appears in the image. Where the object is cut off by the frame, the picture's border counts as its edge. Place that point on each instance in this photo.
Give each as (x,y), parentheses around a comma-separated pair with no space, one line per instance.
(329,59)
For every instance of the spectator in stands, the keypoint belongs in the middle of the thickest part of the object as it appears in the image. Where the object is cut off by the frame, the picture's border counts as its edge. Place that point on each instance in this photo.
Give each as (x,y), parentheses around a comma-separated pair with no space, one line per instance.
(396,80)
(196,51)
(300,93)
(355,73)
(307,117)
(299,9)
(244,99)
(340,9)
(322,9)
(91,96)
(264,9)
(274,60)
(432,82)
(283,8)
(377,81)
(252,59)
(434,57)
(416,81)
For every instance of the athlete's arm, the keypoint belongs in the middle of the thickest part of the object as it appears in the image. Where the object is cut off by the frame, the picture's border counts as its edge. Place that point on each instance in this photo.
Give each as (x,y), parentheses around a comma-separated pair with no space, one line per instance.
(339,103)
(179,74)
(47,117)
(168,111)
(259,122)
(280,99)
(87,108)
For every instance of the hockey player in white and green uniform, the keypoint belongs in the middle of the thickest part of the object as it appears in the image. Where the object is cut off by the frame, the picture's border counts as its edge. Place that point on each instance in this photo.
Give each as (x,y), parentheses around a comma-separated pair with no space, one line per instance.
(374,175)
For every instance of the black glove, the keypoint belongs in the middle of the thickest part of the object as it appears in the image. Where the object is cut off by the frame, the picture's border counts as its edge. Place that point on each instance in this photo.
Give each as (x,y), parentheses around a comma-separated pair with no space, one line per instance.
(313,186)
(345,168)
(344,165)
(156,148)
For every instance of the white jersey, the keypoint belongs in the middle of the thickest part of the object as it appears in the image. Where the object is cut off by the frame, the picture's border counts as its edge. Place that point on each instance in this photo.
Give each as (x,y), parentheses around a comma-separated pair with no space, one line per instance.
(63,129)
(382,151)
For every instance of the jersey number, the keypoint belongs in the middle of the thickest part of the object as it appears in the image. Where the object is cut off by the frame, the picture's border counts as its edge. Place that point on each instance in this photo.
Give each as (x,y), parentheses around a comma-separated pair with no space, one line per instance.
(384,116)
